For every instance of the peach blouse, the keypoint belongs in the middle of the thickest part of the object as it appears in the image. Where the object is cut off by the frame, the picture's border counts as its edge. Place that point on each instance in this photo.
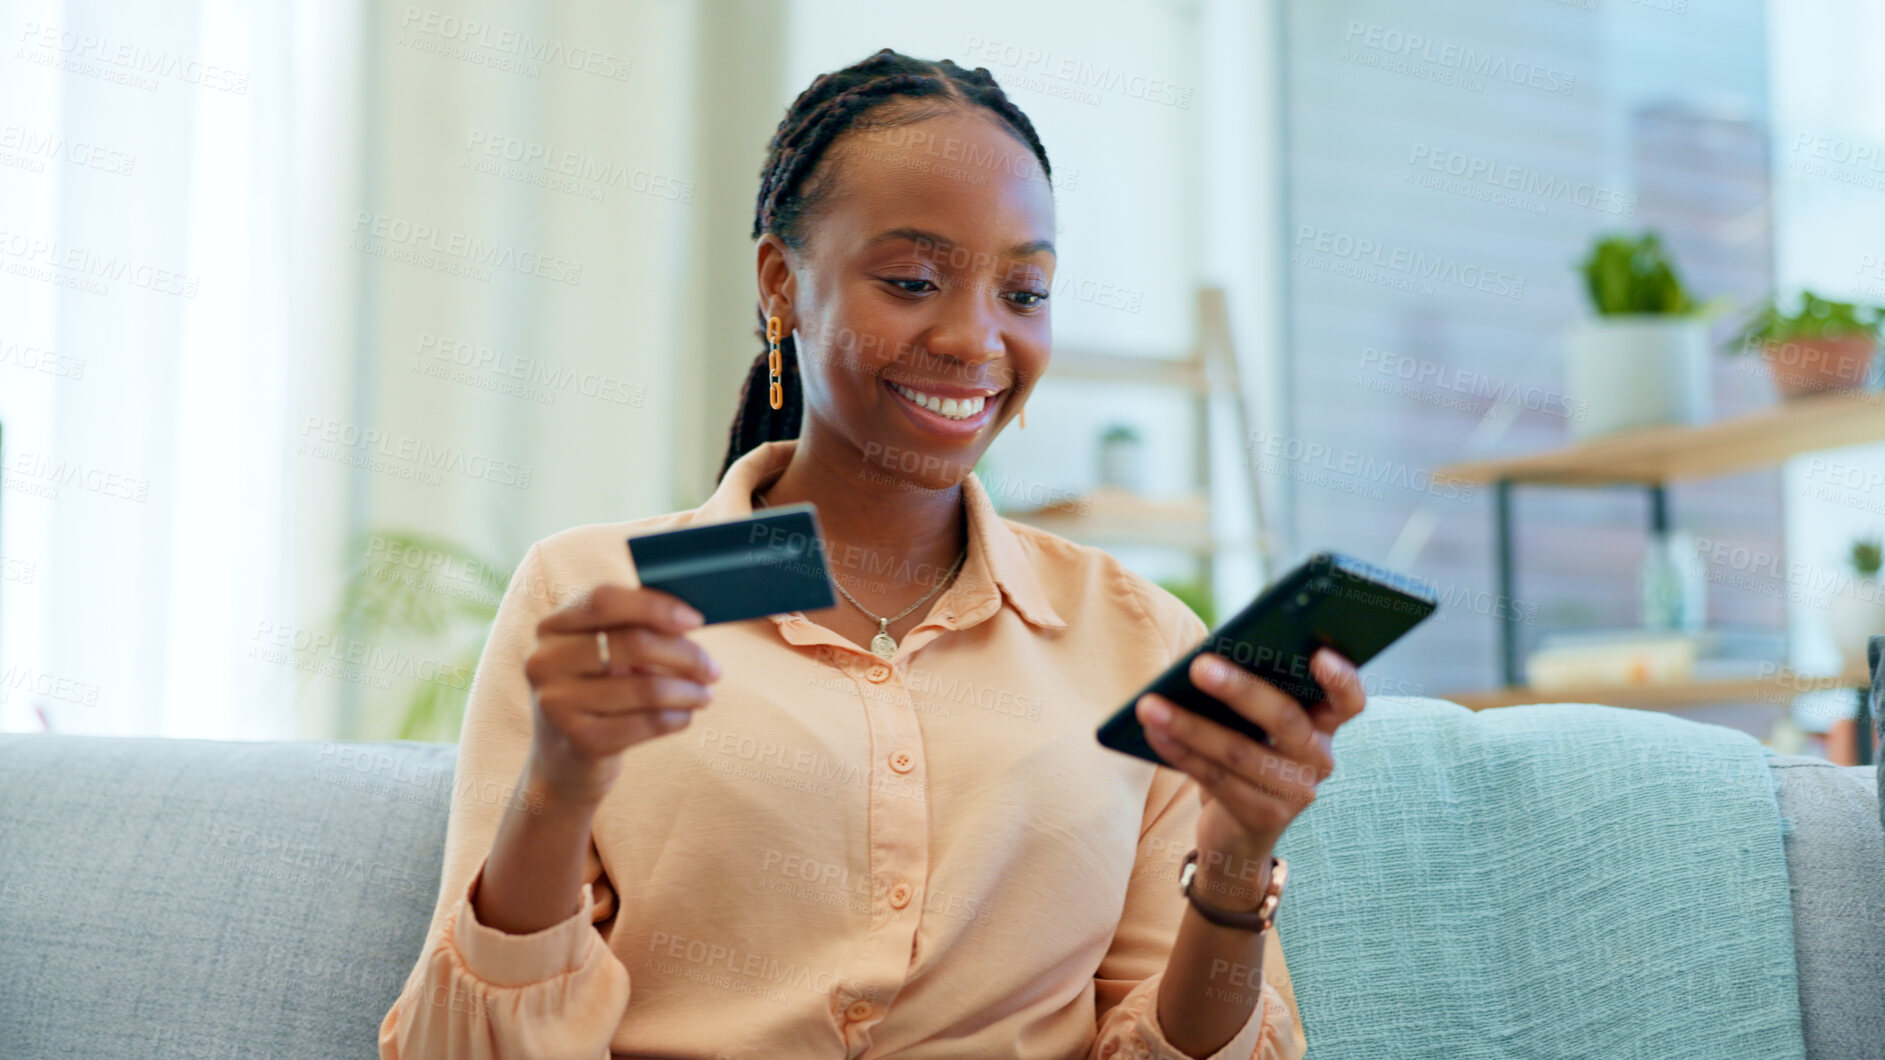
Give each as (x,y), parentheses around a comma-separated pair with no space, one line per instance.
(930,857)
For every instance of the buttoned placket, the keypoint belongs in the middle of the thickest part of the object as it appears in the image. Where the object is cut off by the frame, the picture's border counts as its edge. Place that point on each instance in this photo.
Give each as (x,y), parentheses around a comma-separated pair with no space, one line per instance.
(997,572)
(898,811)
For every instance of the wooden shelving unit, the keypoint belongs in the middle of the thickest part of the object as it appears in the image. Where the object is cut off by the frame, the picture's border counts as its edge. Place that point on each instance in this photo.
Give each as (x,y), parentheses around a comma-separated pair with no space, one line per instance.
(1656,455)
(1118,517)
(1108,516)
(1651,458)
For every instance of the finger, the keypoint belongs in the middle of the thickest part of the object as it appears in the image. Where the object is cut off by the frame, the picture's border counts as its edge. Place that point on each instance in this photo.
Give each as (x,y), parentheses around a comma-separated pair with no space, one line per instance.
(1263,804)
(1277,712)
(1343,695)
(1237,752)
(609,697)
(622,605)
(607,733)
(631,648)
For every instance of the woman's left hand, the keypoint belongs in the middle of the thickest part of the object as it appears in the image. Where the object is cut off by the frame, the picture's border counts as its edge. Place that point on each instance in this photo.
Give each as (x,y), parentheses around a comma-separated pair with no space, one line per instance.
(1252,791)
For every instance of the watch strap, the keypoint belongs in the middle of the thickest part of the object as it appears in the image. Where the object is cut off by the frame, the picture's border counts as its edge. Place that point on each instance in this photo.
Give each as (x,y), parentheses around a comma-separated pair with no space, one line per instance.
(1258,919)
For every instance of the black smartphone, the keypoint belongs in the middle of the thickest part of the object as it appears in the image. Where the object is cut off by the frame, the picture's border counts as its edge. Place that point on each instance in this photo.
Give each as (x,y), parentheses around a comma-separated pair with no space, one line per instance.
(1331,600)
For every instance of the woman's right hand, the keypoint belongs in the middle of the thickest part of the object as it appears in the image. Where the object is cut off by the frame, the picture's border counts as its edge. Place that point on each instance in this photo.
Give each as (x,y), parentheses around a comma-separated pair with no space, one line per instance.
(585,718)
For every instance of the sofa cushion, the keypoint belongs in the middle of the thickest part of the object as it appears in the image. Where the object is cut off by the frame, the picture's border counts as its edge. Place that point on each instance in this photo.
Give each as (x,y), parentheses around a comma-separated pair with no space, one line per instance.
(172,898)
(1551,880)
(1836,876)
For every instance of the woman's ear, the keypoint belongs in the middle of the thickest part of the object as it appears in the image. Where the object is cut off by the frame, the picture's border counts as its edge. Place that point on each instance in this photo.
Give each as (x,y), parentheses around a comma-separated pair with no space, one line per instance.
(778,280)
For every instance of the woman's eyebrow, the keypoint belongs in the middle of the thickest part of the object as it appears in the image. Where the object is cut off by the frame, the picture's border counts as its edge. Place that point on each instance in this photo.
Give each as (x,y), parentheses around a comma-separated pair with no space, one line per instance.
(938,241)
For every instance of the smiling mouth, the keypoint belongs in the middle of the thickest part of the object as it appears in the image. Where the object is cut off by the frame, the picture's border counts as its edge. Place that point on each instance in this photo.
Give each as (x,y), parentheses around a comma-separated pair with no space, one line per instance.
(946,407)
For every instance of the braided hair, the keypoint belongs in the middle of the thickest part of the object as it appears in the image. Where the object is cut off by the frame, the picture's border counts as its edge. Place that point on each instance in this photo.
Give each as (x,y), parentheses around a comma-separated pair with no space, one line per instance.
(834,104)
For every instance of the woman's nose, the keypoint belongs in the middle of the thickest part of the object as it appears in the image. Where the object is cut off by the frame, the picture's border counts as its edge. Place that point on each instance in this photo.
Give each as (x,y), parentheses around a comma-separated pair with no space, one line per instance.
(968,330)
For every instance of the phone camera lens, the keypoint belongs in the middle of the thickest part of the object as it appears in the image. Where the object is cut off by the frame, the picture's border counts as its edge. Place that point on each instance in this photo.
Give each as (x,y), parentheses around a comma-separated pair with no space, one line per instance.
(1302,599)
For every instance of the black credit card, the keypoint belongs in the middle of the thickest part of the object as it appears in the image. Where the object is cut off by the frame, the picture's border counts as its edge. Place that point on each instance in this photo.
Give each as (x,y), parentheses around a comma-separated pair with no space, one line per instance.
(770,563)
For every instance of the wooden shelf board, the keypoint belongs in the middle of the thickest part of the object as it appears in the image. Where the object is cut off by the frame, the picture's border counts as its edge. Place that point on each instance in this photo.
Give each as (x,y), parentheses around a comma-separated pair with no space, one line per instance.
(1116,516)
(1185,372)
(1093,531)
(1761,439)
(1777,688)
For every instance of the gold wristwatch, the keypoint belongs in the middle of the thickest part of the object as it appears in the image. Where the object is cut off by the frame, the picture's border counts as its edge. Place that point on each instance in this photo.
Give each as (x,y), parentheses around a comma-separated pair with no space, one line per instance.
(1258,919)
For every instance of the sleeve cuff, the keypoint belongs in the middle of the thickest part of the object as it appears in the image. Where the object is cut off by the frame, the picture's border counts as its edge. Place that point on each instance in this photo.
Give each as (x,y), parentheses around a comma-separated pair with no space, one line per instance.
(1256,1040)
(503,959)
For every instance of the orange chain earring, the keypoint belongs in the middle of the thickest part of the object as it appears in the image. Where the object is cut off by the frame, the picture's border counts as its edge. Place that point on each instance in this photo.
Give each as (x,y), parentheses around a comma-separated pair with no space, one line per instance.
(773,330)
(1024,417)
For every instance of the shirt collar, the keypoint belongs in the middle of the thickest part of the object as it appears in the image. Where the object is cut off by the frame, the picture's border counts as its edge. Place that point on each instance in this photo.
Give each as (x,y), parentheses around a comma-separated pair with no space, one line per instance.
(995,557)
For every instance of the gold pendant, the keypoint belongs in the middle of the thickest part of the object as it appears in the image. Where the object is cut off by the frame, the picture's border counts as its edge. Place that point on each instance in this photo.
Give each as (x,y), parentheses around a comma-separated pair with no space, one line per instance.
(883,644)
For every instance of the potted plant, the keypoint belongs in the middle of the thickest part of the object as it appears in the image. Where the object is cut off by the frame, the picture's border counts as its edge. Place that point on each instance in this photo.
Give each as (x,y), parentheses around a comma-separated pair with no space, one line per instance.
(1643,359)
(1120,458)
(1822,346)
(1854,615)
(1196,594)
(428,601)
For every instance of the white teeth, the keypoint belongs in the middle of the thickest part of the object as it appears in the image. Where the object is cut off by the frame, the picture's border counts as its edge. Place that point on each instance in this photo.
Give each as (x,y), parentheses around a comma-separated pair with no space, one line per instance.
(954,408)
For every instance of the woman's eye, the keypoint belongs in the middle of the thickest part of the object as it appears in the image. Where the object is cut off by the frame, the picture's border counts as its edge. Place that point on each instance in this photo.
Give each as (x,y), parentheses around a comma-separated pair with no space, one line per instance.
(907,285)
(1029,299)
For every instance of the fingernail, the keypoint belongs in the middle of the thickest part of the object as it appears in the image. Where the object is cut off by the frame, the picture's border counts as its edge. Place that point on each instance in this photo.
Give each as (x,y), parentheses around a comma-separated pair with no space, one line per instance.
(674,719)
(686,617)
(1216,672)
(1157,712)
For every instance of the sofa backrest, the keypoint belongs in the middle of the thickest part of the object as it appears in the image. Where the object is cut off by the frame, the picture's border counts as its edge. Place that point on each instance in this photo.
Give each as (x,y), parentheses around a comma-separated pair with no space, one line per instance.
(172,898)
(1836,879)
(182,898)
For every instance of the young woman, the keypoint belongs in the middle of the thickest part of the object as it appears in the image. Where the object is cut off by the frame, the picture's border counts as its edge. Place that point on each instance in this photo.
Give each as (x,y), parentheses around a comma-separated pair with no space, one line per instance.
(883,828)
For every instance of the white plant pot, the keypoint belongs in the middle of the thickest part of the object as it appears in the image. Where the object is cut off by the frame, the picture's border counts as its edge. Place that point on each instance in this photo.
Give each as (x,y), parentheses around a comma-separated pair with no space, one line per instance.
(1853,617)
(1636,370)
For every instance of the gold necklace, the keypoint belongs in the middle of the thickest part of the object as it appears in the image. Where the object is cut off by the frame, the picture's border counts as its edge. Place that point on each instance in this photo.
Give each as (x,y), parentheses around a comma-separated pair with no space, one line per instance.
(883,645)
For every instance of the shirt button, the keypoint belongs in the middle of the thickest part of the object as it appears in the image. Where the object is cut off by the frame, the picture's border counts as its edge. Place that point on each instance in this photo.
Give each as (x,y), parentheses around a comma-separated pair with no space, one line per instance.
(859,1010)
(902,761)
(878,673)
(900,895)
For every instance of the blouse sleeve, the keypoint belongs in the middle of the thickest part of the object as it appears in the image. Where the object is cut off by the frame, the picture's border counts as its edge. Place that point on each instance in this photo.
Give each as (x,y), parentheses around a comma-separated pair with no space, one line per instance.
(1127,983)
(1128,979)
(477,993)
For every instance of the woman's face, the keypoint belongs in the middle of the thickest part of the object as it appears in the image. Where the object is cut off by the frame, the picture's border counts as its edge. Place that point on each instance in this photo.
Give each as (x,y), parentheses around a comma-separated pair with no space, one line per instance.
(923,279)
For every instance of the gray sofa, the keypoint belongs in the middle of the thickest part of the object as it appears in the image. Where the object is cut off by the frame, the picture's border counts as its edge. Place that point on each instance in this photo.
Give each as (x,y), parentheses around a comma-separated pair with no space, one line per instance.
(179,898)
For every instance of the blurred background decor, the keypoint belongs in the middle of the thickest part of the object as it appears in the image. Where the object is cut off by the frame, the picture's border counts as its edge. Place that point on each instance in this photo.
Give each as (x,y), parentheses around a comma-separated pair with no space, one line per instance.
(414,613)
(1643,359)
(1824,345)
(1857,612)
(274,277)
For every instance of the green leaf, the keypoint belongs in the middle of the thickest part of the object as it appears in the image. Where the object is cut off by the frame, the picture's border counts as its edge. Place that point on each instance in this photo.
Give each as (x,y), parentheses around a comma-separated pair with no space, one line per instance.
(1196,594)
(1816,318)
(1867,556)
(1634,275)
(432,594)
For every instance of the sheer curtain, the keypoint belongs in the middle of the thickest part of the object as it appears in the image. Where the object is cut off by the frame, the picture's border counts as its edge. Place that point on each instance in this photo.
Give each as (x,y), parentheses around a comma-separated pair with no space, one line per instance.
(161,300)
